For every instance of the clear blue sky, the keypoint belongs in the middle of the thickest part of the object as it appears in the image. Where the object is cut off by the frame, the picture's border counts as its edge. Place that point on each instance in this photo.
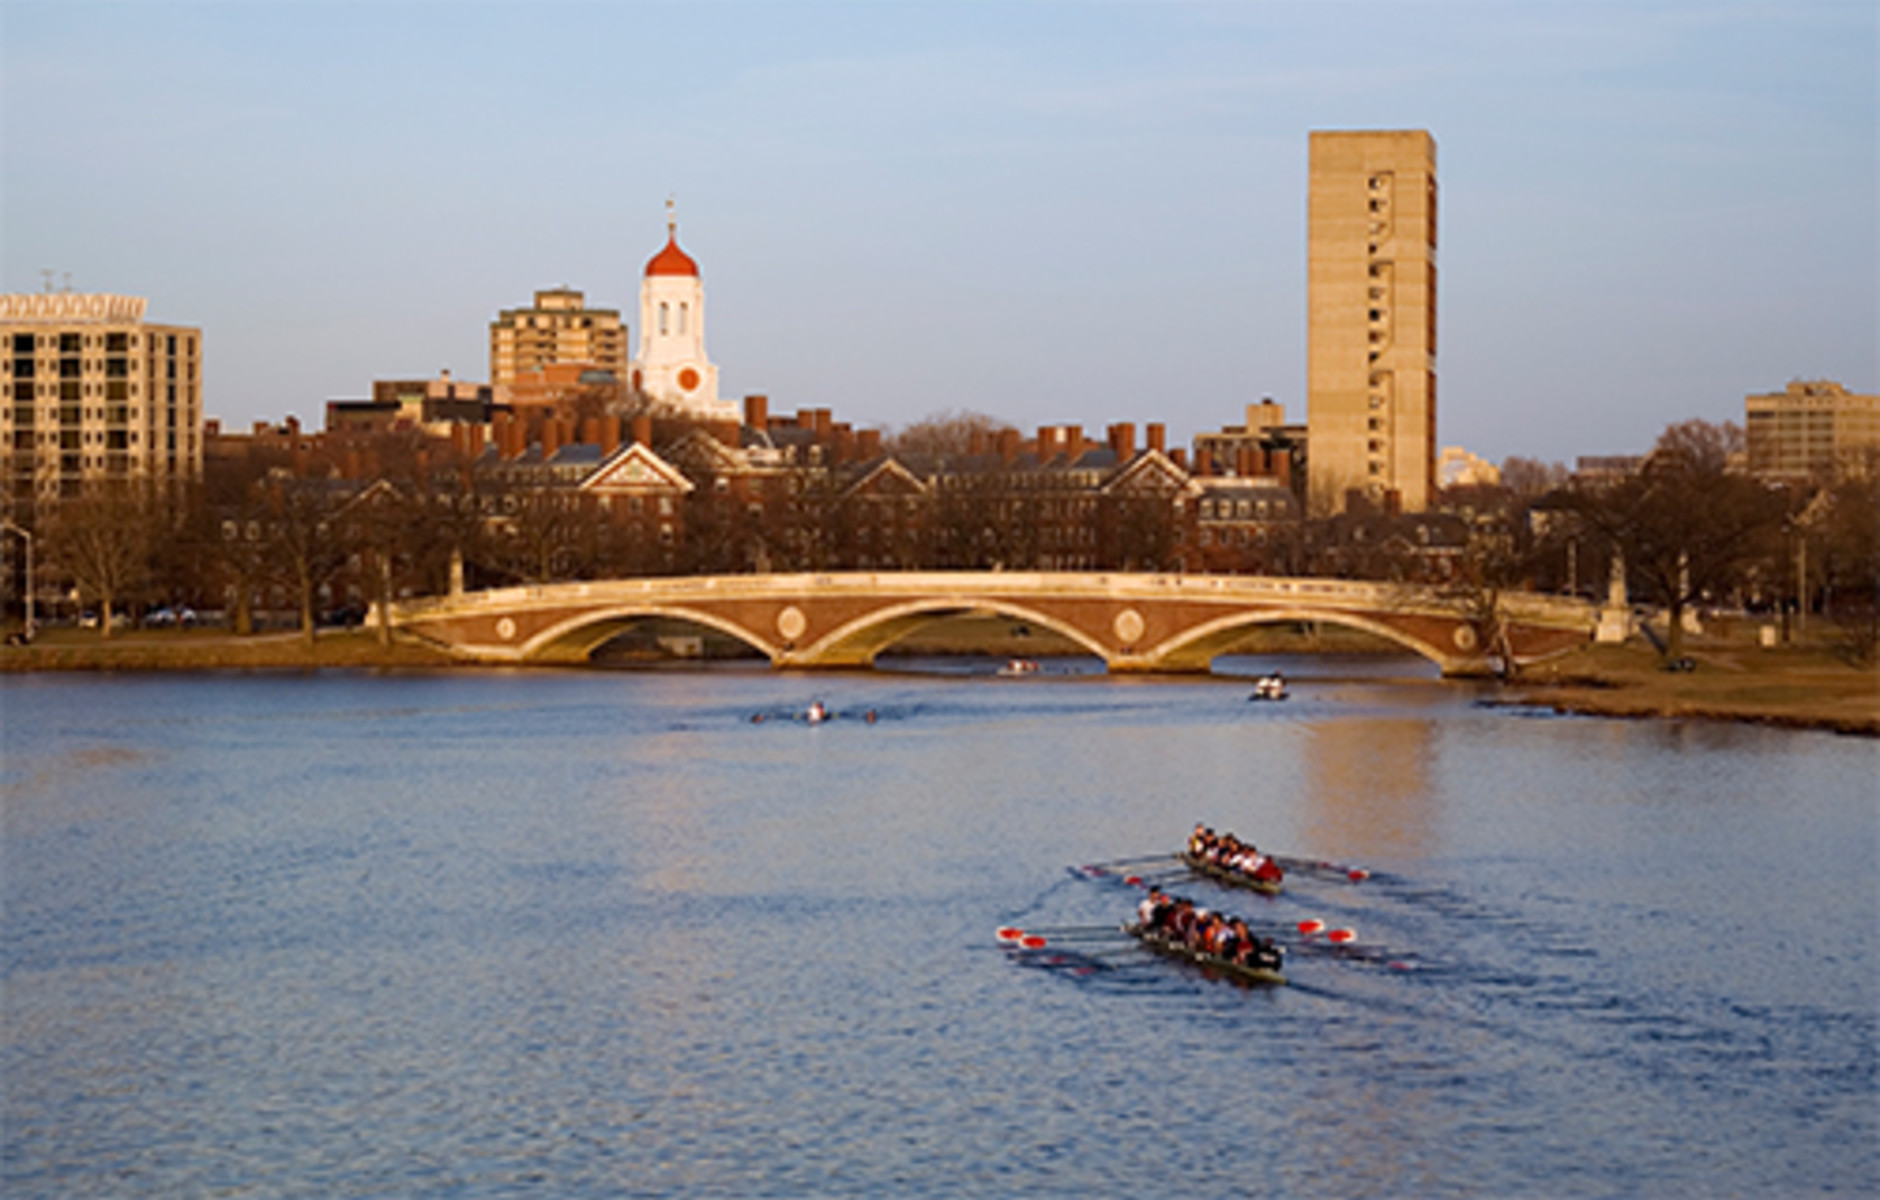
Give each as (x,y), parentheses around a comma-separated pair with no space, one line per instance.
(1073,212)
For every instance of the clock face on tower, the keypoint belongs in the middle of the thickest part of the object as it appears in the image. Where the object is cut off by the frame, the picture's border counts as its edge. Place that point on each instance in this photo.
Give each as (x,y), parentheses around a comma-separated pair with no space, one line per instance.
(688,379)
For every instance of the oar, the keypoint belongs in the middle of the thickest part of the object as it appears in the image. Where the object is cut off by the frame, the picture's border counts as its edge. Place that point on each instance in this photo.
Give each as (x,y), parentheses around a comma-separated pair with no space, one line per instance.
(1128,862)
(1320,866)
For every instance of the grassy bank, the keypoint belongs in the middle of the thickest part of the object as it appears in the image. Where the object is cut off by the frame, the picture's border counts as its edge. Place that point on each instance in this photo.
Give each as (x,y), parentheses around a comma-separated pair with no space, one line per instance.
(207,650)
(1806,686)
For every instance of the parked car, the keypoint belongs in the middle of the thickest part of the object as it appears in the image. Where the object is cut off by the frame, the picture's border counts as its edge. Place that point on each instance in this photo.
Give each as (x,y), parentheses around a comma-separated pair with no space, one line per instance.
(166,617)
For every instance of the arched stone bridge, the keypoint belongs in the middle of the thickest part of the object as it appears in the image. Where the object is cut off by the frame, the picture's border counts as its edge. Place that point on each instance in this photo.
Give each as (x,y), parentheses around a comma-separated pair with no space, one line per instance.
(1134,623)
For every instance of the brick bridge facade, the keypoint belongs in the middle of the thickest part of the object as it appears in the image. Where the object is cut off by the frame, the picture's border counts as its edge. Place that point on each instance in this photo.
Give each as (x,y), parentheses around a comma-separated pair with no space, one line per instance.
(1134,623)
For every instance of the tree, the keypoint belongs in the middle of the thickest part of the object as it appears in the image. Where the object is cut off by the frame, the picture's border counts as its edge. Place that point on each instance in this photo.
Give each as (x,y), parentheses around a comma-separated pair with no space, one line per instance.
(547,535)
(104,539)
(1848,557)
(1531,476)
(1685,523)
(947,434)
(305,539)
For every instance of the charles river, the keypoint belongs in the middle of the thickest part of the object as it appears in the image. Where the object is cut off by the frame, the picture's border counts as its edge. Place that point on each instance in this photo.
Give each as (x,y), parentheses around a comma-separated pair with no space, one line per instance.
(600,933)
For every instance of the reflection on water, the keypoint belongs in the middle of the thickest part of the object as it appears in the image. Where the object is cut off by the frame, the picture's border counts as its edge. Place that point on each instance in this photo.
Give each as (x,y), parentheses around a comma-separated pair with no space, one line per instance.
(1369,787)
(599,934)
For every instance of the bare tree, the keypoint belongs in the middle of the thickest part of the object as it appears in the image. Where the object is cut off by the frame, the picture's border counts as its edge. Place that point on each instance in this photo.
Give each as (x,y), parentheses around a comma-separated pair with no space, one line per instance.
(547,535)
(944,434)
(306,539)
(1685,522)
(104,540)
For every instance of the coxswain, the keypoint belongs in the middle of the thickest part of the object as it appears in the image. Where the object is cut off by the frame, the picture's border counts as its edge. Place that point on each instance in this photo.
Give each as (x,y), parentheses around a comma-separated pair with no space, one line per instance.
(817,713)
(1153,909)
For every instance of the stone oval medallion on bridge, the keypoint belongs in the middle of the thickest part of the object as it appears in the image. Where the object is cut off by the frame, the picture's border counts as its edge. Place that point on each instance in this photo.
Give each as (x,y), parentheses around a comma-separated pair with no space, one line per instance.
(506,629)
(1464,637)
(1128,626)
(791,623)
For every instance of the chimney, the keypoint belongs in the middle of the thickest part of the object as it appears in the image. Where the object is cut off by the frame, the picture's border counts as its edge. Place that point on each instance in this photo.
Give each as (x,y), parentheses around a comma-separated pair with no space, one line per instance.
(473,439)
(806,419)
(1282,468)
(1047,443)
(1074,442)
(1123,439)
(590,431)
(643,430)
(975,441)
(1178,456)
(726,432)
(868,443)
(825,423)
(1243,462)
(844,438)
(1158,436)
(551,438)
(757,412)
(1008,446)
(610,436)
(499,427)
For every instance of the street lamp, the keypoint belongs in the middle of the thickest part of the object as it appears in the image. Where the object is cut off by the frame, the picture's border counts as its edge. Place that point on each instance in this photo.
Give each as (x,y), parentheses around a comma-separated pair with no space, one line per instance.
(28,539)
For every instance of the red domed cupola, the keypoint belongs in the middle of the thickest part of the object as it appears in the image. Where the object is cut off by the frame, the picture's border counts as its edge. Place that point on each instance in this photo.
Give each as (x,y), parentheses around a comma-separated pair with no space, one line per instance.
(671,260)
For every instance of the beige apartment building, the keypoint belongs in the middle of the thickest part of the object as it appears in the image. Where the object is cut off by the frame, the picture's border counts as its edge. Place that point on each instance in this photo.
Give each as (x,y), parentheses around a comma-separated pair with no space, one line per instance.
(1810,429)
(1371,319)
(559,329)
(94,393)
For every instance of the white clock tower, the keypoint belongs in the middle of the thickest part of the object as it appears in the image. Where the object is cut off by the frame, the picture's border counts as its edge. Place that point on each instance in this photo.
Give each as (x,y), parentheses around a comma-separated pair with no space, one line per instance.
(671,367)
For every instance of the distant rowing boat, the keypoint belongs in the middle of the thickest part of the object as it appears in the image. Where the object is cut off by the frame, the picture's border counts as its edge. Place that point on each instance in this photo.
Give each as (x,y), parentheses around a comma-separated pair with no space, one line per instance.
(1264,976)
(1230,877)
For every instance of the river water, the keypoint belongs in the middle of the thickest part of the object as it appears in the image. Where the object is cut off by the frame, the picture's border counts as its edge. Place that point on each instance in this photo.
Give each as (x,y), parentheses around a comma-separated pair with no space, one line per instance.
(587,934)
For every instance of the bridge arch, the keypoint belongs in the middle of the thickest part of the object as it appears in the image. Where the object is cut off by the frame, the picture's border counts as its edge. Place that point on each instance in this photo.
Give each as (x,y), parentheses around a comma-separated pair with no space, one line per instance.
(579,636)
(866,636)
(1199,645)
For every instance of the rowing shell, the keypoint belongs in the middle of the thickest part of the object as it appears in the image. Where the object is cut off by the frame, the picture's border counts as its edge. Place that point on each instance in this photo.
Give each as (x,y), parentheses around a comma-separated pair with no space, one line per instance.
(1219,874)
(1208,962)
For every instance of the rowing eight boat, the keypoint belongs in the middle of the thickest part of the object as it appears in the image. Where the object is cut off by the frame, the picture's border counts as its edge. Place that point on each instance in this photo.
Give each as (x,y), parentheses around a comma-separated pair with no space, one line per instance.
(1230,877)
(1208,962)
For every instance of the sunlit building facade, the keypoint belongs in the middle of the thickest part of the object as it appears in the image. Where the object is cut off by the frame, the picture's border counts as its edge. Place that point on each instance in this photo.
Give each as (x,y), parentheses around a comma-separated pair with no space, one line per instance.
(95,393)
(1371,319)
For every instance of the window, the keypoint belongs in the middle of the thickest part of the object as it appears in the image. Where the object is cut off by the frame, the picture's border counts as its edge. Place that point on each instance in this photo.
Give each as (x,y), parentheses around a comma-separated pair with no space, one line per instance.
(662,317)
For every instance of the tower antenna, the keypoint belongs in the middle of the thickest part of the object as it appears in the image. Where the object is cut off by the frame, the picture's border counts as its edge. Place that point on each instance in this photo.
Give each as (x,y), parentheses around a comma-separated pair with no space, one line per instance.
(672,217)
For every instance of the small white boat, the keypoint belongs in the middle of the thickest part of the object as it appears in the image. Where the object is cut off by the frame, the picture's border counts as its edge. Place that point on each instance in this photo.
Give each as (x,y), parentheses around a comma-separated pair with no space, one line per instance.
(1269,687)
(1019,666)
(816,714)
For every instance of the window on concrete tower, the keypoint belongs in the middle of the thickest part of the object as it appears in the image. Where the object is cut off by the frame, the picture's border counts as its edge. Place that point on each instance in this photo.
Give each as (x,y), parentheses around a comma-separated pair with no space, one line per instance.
(662,318)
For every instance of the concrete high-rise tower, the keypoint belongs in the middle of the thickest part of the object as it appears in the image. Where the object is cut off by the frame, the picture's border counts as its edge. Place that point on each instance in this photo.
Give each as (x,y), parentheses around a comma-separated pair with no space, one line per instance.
(1371,319)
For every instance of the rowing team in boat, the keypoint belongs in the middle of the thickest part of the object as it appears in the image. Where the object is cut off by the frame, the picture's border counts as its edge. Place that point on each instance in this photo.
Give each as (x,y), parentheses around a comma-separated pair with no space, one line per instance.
(1229,853)
(1177,919)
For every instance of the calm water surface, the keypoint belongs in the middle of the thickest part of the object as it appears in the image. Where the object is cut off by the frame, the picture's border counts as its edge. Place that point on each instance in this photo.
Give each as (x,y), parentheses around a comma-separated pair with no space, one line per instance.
(601,934)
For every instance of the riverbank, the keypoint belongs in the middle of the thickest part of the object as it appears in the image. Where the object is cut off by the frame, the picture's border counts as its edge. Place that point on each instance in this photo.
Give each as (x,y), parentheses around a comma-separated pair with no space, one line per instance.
(214,650)
(1805,686)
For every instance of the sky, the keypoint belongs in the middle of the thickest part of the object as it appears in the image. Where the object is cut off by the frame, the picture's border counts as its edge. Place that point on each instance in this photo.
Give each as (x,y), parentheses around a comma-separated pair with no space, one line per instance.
(1052,213)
